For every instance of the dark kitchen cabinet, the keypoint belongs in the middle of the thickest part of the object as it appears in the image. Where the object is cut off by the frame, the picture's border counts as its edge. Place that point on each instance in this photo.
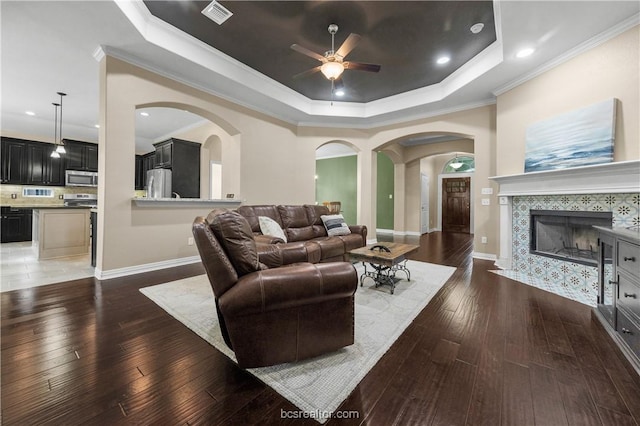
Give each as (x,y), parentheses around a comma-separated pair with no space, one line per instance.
(15,224)
(81,155)
(164,154)
(14,160)
(42,169)
(148,163)
(183,158)
(26,162)
(140,173)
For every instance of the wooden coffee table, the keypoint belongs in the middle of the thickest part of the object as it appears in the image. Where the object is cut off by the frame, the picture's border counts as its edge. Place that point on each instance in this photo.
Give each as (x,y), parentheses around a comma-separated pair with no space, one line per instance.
(382,261)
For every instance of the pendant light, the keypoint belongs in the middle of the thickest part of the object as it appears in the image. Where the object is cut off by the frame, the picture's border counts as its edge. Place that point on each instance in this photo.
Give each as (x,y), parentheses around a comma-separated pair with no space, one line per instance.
(456,163)
(60,148)
(55,153)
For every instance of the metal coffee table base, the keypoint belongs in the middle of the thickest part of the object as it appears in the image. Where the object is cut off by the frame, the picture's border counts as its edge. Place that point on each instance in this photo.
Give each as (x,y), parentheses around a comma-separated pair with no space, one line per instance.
(385,275)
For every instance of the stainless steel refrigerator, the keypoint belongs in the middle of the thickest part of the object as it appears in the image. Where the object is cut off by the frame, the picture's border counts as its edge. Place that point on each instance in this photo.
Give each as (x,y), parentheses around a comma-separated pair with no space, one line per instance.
(159,183)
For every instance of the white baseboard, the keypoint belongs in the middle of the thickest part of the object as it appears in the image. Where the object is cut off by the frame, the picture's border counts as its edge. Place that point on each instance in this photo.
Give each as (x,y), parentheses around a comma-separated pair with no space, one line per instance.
(148,267)
(385,231)
(483,256)
(403,233)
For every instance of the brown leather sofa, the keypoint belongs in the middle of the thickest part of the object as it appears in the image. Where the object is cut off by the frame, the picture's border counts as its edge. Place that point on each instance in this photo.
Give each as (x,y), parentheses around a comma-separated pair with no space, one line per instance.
(307,239)
(268,315)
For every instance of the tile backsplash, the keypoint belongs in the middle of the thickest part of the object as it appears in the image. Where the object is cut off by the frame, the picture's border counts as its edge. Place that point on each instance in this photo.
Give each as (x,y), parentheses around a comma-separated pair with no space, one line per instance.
(7,190)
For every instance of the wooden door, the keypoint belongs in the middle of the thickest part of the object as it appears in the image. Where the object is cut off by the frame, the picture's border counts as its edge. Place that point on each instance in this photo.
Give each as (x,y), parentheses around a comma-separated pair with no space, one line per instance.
(456,202)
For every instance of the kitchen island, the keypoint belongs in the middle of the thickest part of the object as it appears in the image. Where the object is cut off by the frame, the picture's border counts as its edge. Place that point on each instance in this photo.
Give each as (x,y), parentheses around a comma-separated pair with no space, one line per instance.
(60,231)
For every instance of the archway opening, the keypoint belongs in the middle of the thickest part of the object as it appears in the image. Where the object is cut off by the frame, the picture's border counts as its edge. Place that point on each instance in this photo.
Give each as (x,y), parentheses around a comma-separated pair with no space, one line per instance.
(337,178)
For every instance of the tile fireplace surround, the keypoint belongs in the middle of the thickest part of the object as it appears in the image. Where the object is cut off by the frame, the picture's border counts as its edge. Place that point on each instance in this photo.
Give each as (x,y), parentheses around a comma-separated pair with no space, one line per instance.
(612,187)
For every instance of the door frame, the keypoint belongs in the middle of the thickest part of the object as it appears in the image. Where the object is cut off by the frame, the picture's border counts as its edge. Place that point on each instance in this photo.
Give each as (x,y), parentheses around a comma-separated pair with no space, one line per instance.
(424,181)
(471,197)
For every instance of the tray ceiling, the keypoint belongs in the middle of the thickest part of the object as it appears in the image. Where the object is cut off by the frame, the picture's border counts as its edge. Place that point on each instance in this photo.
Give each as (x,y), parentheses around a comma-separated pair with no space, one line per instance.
(405,38)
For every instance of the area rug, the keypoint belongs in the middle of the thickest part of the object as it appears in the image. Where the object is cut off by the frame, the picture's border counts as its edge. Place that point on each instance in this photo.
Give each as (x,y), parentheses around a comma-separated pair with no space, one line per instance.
(317,386)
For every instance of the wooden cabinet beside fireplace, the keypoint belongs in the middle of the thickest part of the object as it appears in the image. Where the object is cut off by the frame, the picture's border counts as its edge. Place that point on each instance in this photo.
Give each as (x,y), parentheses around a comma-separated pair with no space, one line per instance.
(619,288)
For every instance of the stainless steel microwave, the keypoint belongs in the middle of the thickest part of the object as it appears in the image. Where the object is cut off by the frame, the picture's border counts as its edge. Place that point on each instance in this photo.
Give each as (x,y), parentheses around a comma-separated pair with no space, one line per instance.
(80,178)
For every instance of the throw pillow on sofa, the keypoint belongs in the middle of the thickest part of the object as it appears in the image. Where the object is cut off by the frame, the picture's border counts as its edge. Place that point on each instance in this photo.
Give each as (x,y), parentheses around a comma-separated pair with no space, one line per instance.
(335,225)
(270,227)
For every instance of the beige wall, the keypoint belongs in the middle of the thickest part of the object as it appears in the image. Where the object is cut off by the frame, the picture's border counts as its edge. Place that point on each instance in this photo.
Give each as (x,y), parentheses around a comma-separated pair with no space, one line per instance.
(266,161)
(269,161)
(476,127)
(260,154)
(606,71)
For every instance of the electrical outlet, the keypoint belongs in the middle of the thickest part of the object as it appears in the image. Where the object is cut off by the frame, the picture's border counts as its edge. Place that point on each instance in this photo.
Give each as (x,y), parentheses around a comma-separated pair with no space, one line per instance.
(486,201)
(483,240)
(190,241)
(14,196)
(391,196)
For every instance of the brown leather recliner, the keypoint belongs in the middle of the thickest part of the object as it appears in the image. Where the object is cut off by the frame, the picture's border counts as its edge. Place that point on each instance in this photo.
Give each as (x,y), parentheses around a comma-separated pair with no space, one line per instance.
(277,315)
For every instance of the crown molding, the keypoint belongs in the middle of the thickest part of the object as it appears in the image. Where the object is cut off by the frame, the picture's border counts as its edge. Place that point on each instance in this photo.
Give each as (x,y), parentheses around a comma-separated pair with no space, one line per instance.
(601,38)
(401,119)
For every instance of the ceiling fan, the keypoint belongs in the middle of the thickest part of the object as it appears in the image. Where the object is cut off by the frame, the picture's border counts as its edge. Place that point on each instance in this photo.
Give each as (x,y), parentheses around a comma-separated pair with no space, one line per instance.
(333,63)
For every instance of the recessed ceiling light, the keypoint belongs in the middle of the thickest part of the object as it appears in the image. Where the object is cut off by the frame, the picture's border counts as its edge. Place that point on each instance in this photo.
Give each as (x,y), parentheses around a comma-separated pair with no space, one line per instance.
(144,114)
(30,113)
(524,53)
(443,60)
(476,28)
(97,126)
(339,92)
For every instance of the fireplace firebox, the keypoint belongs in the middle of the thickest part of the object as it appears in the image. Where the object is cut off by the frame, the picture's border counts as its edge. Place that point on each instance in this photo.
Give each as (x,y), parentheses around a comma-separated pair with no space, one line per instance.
(567,235)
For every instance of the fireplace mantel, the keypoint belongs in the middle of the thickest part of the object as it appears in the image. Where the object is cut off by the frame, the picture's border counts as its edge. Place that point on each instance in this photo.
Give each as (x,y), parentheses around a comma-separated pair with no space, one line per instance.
(618,177)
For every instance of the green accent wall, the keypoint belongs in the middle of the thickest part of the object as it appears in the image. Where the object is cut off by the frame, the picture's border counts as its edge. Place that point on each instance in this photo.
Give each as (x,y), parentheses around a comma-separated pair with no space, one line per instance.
(337,181)
(384,219)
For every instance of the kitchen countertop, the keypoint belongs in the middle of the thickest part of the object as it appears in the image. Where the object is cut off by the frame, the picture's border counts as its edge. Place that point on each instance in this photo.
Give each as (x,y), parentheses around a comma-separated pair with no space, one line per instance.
(40,207)
(185,202)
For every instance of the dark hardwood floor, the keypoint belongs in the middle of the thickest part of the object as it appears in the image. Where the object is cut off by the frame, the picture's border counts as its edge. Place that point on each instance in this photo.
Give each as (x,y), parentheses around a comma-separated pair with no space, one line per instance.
(485,351)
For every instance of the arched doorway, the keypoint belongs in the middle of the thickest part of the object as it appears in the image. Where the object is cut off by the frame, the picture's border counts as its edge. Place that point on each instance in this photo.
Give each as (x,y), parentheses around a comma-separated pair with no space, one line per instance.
(337,177)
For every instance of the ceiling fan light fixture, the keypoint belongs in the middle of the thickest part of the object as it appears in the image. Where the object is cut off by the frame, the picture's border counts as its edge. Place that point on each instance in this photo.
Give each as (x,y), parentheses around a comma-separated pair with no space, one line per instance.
(332,69)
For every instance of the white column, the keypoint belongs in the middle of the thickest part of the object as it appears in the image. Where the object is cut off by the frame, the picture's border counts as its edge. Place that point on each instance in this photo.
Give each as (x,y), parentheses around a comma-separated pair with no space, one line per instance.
(505,257)
(367,187)
(399,172)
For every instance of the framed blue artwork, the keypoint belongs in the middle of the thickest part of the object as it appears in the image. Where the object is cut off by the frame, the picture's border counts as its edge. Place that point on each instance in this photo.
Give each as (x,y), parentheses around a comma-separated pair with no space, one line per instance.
(581,137)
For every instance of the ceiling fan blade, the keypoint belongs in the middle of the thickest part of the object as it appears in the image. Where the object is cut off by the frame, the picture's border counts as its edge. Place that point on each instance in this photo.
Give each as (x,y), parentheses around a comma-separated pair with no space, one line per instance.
(348,45)
(359,66)
(307,52)
(308,72)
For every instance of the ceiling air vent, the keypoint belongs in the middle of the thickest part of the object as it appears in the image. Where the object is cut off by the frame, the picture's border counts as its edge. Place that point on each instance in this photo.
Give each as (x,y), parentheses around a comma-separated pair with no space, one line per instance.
(217,12)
